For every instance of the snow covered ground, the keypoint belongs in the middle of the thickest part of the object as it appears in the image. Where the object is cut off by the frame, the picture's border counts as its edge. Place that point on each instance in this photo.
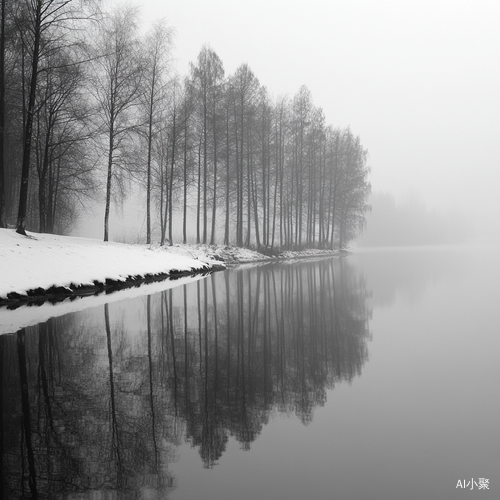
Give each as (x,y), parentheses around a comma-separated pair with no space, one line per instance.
(44,261)
(224,253)
(237,255)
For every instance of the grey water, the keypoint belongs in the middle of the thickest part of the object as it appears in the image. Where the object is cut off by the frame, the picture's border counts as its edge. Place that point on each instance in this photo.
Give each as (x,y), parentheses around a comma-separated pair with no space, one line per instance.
(373,376)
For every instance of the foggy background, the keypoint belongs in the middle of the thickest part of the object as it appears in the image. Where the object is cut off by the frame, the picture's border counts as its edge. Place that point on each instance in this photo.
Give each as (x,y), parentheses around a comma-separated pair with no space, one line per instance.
(416,80)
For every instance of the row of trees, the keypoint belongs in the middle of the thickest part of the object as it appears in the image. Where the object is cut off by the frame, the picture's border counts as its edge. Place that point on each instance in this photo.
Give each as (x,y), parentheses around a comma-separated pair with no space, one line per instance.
(268,171)
(219,155)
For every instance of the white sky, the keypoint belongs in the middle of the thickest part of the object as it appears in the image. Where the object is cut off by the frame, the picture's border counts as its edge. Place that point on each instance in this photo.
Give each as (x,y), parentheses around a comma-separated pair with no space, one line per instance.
(418,80)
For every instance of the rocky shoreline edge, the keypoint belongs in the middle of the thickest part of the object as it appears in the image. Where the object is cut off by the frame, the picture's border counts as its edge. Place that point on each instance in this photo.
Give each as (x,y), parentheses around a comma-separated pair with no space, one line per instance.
(56,294)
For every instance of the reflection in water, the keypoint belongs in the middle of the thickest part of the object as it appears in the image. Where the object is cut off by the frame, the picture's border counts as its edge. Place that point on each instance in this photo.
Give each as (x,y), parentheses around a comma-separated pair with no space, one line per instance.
(98,401)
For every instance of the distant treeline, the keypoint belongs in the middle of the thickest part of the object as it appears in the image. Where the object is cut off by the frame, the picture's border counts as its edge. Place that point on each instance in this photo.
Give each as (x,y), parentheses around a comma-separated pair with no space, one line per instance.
(410,222)
(91,107)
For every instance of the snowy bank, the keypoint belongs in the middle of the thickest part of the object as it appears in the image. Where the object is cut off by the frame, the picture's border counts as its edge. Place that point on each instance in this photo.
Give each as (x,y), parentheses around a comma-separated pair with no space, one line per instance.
(237,255)
(45,264)
(43,270)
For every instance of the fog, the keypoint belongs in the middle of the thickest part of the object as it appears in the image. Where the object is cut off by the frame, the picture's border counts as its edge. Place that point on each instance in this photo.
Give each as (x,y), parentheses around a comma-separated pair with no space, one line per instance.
(416,80)
(409,222)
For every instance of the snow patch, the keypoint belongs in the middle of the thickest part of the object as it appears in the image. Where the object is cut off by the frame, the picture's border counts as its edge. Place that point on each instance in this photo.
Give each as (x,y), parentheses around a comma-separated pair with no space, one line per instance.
(45,261)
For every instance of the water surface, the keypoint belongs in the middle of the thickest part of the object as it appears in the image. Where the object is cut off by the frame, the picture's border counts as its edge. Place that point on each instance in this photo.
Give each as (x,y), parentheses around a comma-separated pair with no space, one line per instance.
(373,376)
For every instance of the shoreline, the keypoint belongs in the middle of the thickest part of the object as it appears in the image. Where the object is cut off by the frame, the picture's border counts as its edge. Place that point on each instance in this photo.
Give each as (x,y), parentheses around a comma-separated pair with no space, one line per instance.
(55,294)
(47,268)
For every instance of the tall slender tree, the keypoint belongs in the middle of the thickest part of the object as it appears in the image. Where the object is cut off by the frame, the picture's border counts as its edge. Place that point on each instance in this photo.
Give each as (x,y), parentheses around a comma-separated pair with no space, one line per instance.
(187,112)
(207,76)
(37,21)
(3,222)
(116,86)
(157,60)
(244,90)
(46,19)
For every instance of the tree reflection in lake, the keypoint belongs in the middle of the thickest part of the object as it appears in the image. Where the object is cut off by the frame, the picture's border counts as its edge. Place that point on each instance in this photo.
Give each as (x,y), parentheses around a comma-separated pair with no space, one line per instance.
(97,401)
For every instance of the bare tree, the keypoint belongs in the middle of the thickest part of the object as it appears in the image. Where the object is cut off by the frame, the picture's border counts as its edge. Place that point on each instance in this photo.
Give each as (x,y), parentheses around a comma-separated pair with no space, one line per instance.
(244,87)
(207,77)
(157,58)
(187,146)
(3,222)
(116,86)
(61,129)
(44,17)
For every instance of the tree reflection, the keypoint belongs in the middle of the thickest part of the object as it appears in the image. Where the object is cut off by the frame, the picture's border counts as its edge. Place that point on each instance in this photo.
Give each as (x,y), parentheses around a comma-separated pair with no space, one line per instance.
(272,338)
(26,414)
(98,401)
(81,422)
(2,362)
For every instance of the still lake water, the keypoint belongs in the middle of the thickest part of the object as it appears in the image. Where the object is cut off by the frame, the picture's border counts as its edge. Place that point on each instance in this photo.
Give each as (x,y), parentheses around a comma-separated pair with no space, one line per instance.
(374,376)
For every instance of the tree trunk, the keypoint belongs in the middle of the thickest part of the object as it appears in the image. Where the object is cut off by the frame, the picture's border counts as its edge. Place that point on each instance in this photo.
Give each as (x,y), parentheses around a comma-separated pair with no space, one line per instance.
(3,221)
(198,206)
(108,183)
(214,205)
(184,217)
(162,191)
(205,167)
(255,209)
(42,177)
(171,183)
(23,195)
(150,147)
(249,190)
(226,229)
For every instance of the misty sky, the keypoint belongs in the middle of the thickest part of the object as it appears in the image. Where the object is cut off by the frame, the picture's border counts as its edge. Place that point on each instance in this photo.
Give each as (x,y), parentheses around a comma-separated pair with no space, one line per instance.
(418,80)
